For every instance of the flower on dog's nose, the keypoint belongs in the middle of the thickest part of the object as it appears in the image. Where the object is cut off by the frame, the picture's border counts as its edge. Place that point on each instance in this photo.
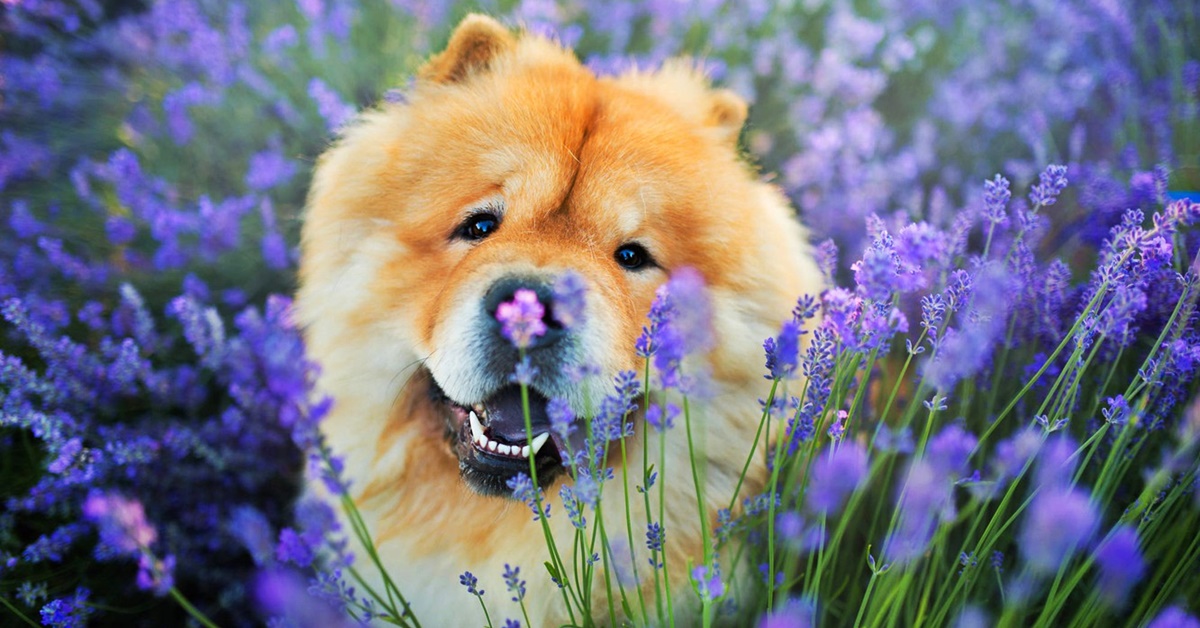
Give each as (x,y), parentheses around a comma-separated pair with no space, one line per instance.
(521,318)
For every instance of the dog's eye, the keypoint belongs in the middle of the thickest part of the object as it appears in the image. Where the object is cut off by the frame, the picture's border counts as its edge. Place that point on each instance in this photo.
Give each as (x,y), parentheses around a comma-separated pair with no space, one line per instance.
(478,227)
(632,256)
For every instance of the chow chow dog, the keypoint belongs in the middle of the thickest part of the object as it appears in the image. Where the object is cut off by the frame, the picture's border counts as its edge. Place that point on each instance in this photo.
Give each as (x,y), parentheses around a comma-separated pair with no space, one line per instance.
(509,164)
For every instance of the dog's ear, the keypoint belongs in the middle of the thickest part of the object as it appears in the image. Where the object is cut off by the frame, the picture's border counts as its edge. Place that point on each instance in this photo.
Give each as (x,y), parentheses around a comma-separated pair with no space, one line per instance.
(476,42)
(727,113)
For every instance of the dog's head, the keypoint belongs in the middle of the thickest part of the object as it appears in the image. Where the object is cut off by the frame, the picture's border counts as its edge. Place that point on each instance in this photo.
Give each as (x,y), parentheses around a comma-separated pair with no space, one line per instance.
(509,167)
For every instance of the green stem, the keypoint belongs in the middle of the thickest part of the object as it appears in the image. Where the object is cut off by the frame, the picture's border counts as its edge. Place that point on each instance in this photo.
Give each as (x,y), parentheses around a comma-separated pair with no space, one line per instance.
(192,610)
(16,611)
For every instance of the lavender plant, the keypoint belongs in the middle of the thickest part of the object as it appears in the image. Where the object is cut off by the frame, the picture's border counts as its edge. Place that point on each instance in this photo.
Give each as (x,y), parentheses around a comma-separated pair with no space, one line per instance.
(991,416)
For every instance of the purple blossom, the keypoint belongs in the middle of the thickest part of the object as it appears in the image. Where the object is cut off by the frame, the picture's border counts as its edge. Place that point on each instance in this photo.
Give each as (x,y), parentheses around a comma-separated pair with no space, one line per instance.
(1121,564)
(827,258)
(1051,183)
(121,522)
(268,169)
(1174,617)
(574,506)
(524,373)
(656,537)
(662,418)
(660,312)
(794,613)
(925,500)
(1056,463)
(68,612)
(512,580)
(570,299)
(1059,522)
(963,351)
(293,548)
(284,594)
(708,581)
(995,199)
(155,575)
(783,351)
(950,450)
(524,491)
(562,417)
(253,530)
(329,104)
(521,318)
(686,331)
(470,582)
(817,366)
(835,474)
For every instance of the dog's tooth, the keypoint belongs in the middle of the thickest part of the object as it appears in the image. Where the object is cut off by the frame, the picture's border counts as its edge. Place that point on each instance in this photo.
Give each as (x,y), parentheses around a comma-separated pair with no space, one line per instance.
(504,449)
(525,451)
(476,428)
(481,440)
(537,442)
(492,445)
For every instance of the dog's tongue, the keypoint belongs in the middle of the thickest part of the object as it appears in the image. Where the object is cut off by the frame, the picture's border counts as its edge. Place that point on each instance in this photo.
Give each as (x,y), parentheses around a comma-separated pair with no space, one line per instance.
(506,416)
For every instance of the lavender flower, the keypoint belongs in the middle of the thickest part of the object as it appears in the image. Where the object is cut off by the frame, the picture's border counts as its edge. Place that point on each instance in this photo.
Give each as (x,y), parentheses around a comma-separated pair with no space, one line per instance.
(570,300)
(783,351)
(521,318)
(285,595)
(523,490)
(524,373)
(72,612)
(468,580)
(512,580)
(332,108)
(662,418)
(562,417)
(1059,522)
(121,522)
(1121,565)
(995,199)
(794,613)
(924,502)
(1174,617)
(834,475)
(687,331)
(1051,183)
(708,582)
(656,537)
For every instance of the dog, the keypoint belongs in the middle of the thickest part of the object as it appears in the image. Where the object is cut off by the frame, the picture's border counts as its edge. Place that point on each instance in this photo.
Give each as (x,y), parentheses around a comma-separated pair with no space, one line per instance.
(508,165)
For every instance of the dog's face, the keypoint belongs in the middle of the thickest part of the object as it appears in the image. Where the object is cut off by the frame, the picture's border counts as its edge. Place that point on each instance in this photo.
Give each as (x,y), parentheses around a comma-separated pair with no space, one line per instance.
(510,166)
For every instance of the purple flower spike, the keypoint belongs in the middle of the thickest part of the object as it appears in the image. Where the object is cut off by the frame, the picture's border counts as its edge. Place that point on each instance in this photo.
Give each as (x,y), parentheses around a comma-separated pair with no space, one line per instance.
(995,198)
(122,522)
(1060,521)
(569,299)
(1051,183)
(1174,617)
(795,613)
(521,318)
(708,582)
(835,475)
(783,352)
(1121,565)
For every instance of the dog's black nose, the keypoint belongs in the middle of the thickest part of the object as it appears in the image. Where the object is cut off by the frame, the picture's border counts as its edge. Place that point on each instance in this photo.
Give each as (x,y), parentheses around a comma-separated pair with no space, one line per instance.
(506,289)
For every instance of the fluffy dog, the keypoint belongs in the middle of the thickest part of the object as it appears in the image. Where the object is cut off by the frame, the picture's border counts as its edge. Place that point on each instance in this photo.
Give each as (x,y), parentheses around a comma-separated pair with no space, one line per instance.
(509,165)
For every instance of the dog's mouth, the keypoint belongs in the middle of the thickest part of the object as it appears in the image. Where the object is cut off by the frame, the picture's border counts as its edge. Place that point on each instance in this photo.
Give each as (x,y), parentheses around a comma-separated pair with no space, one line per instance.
(493,445)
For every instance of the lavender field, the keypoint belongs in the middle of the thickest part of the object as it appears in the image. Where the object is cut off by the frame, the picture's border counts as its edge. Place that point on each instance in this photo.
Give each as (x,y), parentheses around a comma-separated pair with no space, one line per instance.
(991,417)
